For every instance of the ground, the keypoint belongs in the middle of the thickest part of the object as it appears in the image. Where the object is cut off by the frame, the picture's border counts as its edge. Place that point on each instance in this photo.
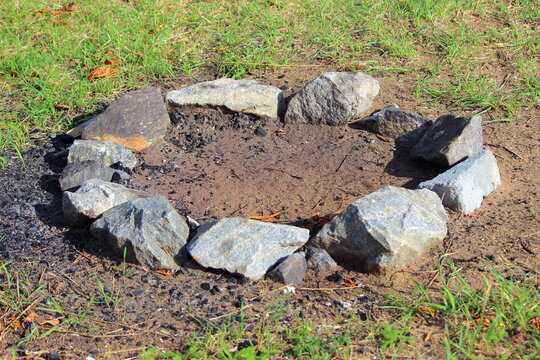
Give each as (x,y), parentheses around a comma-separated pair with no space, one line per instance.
(110,308)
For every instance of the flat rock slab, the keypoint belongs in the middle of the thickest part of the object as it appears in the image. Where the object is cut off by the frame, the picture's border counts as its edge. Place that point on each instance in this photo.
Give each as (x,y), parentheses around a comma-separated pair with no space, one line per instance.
(149,229)
(106,152)
(450,139)
(291,270)
(92,199)
(245,96)
(393,122)
(137,120)
(387,229)
(243,246)
(334,98)
(464,186)
(74,174)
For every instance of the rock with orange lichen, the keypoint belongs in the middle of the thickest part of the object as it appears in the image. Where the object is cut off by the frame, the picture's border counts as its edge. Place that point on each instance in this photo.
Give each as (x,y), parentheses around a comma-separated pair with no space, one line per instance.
(137,120)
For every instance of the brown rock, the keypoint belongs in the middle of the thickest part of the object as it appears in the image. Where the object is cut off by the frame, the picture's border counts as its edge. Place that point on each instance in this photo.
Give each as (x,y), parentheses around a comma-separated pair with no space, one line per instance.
(137,120)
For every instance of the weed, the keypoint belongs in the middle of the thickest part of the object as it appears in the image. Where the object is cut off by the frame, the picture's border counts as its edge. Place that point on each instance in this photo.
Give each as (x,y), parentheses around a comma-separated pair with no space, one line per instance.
(109,298)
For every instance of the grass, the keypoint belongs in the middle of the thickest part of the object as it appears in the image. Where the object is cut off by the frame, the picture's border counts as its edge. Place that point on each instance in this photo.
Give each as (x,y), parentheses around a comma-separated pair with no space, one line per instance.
(501,319)
(47,49)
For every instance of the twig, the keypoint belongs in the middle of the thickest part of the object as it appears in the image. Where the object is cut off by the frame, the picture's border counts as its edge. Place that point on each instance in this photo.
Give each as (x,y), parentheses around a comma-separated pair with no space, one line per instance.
(342,162)
(525,247)
(283,171)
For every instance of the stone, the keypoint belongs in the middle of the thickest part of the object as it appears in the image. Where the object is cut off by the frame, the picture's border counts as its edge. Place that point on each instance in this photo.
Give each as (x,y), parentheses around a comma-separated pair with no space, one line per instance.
(464,186)
(385,230)
(393,122)
(106,152)
(319,259)
(74,174)
(245,96)
(244,246)
(92,199)
(137,120)
(291,270)
(333,98)
(149,230)
(450,140)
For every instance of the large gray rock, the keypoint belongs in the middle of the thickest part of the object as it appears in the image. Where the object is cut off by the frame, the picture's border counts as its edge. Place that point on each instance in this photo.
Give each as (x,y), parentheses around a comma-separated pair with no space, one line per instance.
(149,229)
(319,259)
(450,139)
(393,122)
(464,186)
(92,199)
(243,246)
(106,152)
(291,270)
(137,120)
(246,96)
(387,229)
(74,174)
(333,98)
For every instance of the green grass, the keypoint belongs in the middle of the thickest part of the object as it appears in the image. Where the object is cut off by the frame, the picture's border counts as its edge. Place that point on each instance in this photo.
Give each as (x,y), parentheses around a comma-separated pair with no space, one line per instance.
(45,56)
(502,318)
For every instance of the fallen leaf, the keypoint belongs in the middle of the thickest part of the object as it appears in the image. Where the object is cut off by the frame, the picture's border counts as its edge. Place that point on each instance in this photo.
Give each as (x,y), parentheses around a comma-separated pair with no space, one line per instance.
(164,272)
(35,75)
(50,322)
(61,107)
(428,336)
(113,61)
(101,72)
(29,318)
(266,218)
(429,311)
(14,323)
(383,138)
(536,323)
(168,51)
(348,282)
(59,22)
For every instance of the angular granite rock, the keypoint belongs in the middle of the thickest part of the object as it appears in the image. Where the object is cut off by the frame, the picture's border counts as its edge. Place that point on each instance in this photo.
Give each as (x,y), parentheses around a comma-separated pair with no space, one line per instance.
(243,246)
(319,259)
(137,120)
(76,173)
(393,122)
(92,199)
(464,186)
(245,96)
(106,152)
(387,229)
(149,229)
(333,98)
(291,270)
(450,139)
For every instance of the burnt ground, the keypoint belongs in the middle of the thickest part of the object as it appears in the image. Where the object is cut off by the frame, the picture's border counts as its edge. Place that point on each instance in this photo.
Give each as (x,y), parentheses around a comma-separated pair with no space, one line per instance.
(211,165)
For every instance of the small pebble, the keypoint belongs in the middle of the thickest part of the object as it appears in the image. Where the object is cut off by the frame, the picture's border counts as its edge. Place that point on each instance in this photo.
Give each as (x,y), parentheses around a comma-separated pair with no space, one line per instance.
(259,131)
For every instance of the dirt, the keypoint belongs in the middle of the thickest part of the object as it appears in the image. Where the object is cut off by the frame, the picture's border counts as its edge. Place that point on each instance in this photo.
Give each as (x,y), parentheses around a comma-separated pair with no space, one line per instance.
(211,165)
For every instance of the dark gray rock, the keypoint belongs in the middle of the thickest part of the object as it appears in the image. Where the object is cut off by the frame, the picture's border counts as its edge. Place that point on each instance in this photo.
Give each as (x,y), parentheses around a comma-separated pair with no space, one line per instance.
(450,139)
(92,199)
(106,152)
(245,96)
(75,174)
(291,270)
(243,246)
(393,122)
(387,229)
(464,186)
(334,98)
(149,229)
(319,259)
(137,120)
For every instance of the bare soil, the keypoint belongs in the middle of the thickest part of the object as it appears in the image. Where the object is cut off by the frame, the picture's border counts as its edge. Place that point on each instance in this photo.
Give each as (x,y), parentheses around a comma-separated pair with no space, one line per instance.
(212,165)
